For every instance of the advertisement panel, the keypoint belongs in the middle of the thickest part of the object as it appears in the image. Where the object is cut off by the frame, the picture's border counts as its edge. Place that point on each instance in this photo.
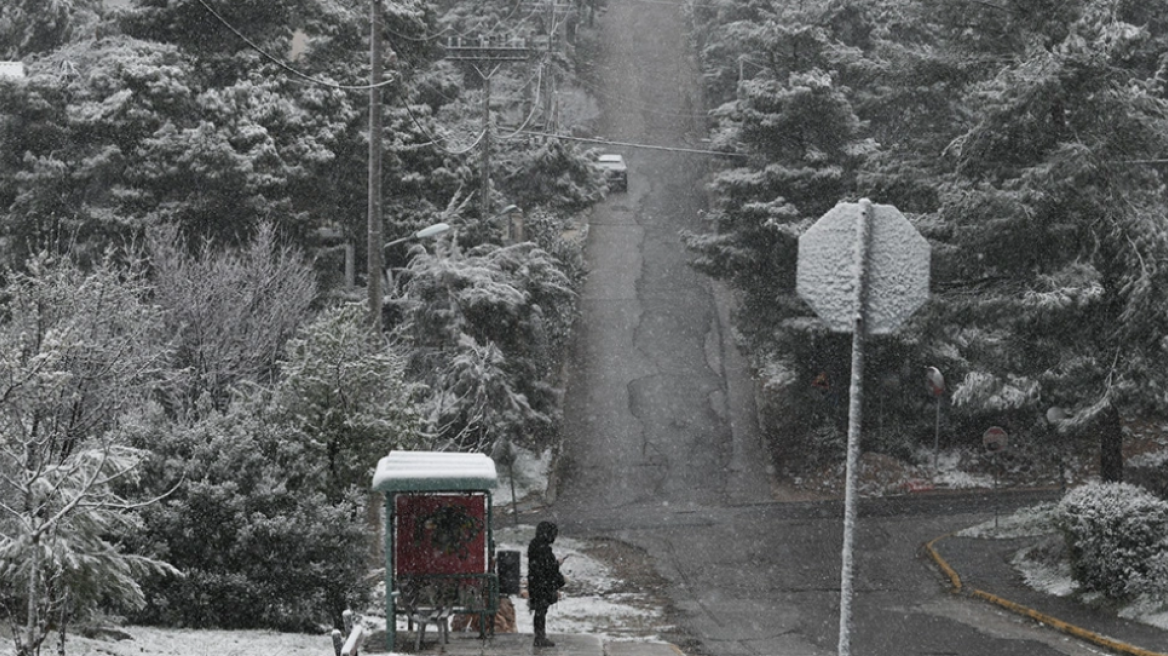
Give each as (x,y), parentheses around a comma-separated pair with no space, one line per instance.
(440,534)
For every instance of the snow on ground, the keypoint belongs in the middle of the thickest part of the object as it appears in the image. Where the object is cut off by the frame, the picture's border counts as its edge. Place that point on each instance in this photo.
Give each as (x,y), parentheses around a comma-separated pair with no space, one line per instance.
(1051,574)
(1147,611)
(1049,578)
(1032,521)
(1148,459)
(948,472)
(151,641)
(596,600)
(531,476)
(882,475)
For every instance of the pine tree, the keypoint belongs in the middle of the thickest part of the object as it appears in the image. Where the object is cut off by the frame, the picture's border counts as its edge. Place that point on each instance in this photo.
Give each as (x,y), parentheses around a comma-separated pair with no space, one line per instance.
(1059,224)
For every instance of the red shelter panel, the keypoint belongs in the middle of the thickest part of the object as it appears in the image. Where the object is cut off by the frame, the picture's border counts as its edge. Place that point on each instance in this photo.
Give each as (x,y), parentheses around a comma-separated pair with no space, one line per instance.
(440,534)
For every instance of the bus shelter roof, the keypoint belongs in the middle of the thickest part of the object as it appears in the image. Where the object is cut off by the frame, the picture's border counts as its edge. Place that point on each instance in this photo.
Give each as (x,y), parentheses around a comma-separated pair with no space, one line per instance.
(434,471)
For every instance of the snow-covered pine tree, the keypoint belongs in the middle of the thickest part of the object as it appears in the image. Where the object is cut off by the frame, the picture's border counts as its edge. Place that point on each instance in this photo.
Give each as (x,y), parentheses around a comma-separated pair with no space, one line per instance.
(1056,282)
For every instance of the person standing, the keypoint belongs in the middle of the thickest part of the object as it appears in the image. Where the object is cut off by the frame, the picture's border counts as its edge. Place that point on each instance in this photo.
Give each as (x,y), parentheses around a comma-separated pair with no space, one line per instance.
(544,579)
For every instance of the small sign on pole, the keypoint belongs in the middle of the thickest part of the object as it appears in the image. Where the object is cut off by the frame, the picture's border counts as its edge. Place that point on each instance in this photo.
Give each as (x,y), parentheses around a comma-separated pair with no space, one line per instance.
(935,383)
(995,439)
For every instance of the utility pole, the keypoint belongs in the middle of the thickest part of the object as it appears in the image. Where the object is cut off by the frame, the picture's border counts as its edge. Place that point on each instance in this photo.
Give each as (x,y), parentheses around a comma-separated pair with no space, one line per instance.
(550,79)
(373,254)
(485,173)
(486,54)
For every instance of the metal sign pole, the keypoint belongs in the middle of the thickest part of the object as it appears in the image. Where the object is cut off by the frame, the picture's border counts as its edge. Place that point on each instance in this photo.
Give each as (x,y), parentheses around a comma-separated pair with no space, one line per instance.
(937,435)
(855,411)
(870,288)
(935,383)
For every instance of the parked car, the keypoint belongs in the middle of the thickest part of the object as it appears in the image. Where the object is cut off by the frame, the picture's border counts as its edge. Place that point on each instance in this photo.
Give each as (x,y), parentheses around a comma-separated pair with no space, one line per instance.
(615,171)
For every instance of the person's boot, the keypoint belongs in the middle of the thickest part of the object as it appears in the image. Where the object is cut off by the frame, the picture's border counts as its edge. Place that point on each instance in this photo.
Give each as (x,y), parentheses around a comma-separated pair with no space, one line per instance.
(541,640)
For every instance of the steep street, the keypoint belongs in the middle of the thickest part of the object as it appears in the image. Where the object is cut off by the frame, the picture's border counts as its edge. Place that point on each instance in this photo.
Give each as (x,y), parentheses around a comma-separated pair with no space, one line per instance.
(654,375)
(662,450)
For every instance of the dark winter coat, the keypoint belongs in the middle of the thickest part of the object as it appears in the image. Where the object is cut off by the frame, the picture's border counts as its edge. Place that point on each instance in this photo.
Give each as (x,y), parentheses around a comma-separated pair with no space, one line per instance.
(544,579)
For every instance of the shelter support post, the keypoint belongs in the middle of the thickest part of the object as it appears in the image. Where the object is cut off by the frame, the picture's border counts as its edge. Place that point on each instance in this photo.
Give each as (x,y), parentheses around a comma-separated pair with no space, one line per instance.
(390,595)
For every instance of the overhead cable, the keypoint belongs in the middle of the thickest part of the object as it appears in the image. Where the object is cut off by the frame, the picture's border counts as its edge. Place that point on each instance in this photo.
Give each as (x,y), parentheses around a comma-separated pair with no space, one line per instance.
(607,142)
(279,62)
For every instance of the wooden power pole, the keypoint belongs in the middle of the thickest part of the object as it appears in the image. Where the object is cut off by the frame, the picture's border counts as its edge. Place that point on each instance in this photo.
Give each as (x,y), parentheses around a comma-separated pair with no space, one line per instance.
(486,56)
(373,256)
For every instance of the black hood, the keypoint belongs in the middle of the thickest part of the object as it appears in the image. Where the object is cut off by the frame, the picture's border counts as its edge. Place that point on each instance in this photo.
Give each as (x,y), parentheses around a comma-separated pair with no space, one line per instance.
(546,532)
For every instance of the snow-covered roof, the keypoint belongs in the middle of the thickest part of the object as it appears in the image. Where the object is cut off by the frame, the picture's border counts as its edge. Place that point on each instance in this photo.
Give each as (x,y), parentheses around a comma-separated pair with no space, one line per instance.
(434,471)
(11,69)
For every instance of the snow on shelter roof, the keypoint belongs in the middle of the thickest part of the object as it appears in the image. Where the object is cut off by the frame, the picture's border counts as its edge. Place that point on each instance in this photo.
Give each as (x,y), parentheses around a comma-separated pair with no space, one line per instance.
(434,471)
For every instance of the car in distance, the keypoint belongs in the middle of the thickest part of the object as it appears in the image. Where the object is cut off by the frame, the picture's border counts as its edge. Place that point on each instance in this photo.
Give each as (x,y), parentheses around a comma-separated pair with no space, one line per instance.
(615,171)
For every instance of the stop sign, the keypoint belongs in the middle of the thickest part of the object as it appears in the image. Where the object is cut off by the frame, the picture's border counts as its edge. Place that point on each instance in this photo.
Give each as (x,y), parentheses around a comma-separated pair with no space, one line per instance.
(864,269)
(898,268)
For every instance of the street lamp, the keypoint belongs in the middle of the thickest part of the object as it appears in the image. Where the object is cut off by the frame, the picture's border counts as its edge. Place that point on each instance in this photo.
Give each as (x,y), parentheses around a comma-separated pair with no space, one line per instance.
(514,229)
(424,233)
(375,299)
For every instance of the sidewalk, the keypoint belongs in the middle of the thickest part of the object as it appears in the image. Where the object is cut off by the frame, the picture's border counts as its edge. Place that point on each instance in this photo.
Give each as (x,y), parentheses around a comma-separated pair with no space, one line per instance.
(983,565)
(519,644)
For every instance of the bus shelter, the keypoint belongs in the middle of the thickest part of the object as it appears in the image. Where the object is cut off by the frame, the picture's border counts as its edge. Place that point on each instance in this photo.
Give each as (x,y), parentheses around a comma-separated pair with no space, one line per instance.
(439,542)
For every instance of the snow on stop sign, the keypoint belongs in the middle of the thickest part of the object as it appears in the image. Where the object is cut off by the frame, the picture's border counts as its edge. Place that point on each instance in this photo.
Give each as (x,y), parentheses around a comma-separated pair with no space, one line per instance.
(898,268)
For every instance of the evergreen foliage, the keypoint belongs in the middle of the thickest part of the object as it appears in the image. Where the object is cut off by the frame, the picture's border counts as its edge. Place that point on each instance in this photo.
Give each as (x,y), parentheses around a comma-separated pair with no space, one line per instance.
(1024,144)
(267,518)
(265,408)
(487,331)
(1116,535)
(344,393)
(31,27)
(249,524)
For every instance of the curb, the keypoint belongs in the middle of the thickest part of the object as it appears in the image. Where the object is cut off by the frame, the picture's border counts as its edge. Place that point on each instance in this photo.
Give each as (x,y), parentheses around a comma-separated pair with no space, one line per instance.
(954,579)
(1053,622)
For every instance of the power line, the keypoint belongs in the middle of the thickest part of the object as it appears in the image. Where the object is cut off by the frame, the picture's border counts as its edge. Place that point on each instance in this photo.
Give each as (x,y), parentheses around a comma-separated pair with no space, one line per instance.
(530,115)
(422,39)
(607,142)
(477,141)
(438,140)
(641,106)
(285,66)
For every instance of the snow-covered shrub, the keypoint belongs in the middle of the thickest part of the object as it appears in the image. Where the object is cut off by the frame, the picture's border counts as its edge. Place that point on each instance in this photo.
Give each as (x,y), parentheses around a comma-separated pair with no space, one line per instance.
(247,523)
(826,443)
(488,331)
(80,350)
(267,515)
(1115,535)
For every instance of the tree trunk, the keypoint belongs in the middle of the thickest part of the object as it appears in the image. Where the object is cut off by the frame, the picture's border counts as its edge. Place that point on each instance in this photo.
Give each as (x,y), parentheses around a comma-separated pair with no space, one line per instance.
(1111,447)
(31,642)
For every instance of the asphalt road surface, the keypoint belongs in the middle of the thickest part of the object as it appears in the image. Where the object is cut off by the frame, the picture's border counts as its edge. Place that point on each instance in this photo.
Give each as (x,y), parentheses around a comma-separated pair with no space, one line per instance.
(661,448)
(654,373)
